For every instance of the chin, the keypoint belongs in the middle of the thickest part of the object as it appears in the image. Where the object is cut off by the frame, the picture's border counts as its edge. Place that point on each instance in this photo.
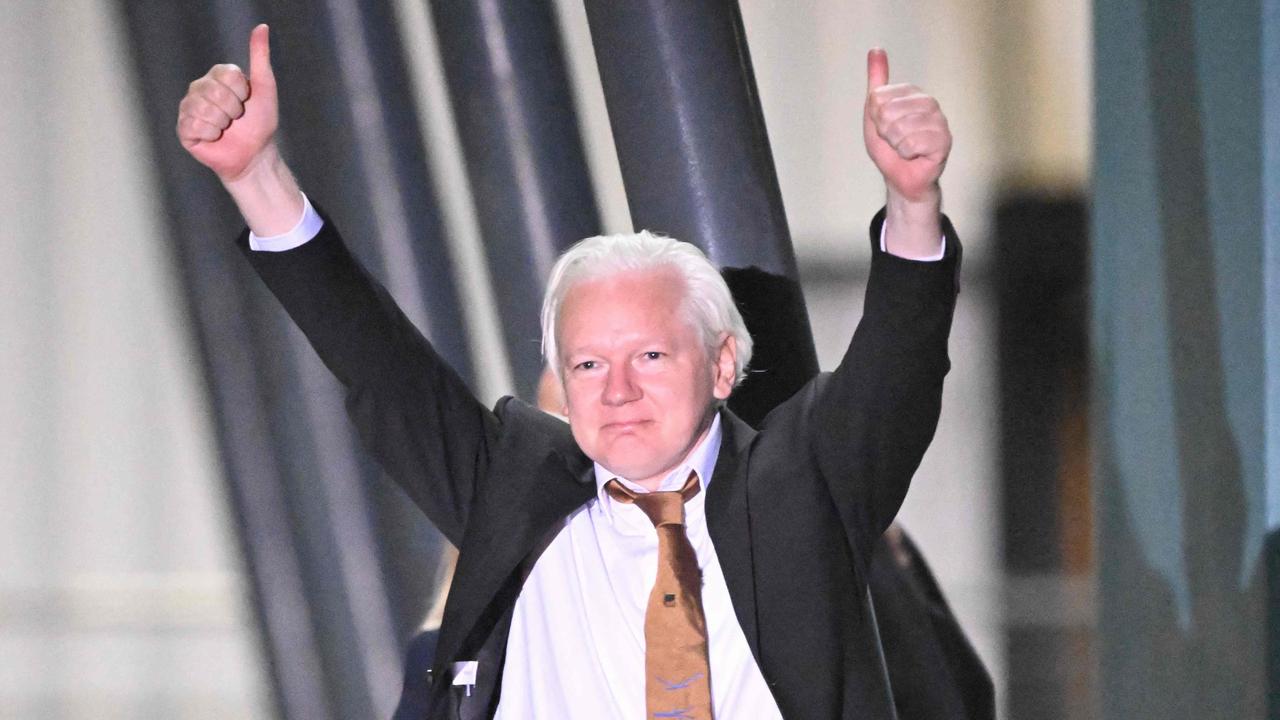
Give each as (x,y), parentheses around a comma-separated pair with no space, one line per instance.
(634,466)
(626,467)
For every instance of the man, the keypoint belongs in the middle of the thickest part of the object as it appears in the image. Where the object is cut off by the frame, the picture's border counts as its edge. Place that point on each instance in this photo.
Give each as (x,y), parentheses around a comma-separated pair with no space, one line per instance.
(656,556)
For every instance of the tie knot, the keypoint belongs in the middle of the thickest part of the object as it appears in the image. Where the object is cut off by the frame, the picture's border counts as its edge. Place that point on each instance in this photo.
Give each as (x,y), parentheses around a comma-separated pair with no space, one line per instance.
(665,507)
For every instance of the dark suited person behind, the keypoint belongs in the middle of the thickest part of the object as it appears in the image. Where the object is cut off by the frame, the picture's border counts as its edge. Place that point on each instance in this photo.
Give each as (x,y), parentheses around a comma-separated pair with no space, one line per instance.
(656,555)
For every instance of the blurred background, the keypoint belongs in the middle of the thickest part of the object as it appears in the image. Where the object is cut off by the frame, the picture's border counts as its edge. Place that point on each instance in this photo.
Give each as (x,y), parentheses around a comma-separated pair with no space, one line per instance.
(188,528)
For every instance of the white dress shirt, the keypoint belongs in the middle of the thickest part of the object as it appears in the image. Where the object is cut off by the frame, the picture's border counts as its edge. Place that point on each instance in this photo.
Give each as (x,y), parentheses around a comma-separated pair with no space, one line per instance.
(576,645)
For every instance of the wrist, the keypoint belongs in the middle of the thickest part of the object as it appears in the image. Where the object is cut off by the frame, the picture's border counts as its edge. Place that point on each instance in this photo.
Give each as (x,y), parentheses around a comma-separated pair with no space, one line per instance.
(914,225)
(266,193)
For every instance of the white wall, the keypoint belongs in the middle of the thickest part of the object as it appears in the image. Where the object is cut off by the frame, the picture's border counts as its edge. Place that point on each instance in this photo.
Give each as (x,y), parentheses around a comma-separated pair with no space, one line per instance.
(120,590)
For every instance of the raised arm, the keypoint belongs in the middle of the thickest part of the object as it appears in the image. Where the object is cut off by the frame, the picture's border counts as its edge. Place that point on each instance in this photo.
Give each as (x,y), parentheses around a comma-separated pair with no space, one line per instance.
(413,412)
(874,416)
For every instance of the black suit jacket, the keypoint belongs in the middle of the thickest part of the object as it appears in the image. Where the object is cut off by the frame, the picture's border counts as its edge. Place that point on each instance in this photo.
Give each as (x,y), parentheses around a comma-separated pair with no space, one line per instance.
(793,510)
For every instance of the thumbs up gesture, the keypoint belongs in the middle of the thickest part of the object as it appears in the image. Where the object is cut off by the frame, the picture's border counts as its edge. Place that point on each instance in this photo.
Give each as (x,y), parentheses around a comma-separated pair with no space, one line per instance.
(906,133)
(908,139)
(228,121)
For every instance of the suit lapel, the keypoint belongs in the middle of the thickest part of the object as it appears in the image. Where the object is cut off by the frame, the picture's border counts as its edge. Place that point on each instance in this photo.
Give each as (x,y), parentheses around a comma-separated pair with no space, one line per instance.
(729,523)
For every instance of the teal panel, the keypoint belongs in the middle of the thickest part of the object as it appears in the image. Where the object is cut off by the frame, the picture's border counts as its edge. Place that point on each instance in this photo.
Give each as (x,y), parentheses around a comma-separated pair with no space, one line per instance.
(1185,353)
(1271,290)
(1271,283)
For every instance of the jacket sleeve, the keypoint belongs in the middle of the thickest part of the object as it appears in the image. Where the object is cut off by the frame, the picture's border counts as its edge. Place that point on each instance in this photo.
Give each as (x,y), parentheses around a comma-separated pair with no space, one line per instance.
(873,417)
(417,416)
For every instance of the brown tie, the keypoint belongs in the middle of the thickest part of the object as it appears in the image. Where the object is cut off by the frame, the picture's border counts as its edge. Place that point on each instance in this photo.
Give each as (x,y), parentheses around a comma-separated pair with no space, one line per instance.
(677,672)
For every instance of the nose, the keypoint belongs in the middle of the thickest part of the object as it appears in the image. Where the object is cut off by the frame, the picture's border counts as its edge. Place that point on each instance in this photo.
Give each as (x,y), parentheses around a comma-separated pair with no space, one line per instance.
(620,386)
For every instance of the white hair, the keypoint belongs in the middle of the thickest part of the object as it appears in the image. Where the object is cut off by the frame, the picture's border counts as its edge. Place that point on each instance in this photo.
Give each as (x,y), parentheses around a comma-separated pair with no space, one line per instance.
(708,305)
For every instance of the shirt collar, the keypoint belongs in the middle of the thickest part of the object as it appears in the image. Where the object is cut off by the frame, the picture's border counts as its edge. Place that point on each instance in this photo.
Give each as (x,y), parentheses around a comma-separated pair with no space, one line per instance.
(702,459)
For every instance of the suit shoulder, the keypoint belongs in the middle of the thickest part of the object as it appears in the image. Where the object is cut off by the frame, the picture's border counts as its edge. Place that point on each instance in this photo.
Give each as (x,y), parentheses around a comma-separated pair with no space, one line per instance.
(525,426)
(795,408)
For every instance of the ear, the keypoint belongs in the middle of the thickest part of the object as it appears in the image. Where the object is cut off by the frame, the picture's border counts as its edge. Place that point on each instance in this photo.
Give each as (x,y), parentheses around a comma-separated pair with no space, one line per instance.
(551,395)
(726,364)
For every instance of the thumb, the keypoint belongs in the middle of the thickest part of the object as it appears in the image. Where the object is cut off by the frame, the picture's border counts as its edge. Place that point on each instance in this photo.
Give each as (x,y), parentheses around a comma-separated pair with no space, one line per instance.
(260,57)
(877,68)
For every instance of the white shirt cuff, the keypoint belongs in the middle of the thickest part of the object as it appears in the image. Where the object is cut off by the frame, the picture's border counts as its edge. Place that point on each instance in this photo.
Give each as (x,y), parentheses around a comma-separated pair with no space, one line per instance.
(307,227)
(942,247)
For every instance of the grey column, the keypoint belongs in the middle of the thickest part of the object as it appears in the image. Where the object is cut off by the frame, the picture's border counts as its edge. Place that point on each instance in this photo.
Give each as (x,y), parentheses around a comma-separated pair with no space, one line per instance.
(515,117)
(696,165)
(343,565)
(237,335)
(1185,321)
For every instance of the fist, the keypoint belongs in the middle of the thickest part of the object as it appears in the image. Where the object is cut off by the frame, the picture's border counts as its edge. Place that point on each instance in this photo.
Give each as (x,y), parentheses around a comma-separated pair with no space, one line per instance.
(905,131)
(226,120)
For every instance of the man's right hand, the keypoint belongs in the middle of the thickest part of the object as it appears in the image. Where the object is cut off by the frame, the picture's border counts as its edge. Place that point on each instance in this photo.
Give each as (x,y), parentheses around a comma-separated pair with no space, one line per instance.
(228,122)
(226,119)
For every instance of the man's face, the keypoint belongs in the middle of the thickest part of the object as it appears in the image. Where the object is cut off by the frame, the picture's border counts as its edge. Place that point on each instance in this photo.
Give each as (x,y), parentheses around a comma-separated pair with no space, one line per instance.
(640,390)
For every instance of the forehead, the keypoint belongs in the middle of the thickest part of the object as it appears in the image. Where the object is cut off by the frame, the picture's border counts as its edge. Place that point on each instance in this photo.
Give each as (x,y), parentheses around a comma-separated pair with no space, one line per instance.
(631,302)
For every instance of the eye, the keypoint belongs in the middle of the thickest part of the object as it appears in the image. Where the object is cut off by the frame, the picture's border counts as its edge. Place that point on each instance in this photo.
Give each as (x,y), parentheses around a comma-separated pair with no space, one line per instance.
(653,355)
(585,365)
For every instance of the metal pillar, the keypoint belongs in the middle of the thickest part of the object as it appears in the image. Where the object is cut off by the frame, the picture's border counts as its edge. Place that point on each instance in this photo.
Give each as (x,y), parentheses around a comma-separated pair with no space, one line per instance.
(1040,278)
(696,165)
(527,168)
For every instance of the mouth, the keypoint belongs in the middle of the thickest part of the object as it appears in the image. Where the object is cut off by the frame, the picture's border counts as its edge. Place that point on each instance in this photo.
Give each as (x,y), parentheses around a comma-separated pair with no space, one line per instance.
(625,426)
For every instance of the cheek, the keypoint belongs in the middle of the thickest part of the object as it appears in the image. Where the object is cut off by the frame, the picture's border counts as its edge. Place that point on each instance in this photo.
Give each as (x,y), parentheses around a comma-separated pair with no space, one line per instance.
(581,405)
(684,402)
(584,439)
(576,412)
(577,394)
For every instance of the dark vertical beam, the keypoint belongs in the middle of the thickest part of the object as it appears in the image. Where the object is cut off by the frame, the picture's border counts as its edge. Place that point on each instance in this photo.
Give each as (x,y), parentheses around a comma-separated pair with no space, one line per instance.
(515,117)
(696,165)
(1041,268)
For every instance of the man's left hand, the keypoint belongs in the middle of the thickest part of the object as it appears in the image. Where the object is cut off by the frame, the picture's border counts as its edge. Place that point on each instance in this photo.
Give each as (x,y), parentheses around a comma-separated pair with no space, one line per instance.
(908,139)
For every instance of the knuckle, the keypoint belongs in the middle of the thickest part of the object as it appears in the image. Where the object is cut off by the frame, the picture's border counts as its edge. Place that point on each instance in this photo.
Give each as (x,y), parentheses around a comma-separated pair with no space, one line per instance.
(224,71)
(207,112)
(222,95)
